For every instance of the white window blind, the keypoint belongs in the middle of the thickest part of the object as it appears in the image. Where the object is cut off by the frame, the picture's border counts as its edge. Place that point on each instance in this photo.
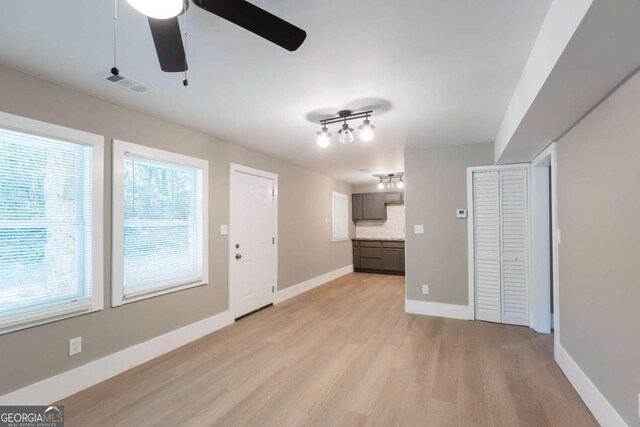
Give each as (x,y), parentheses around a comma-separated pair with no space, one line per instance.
(340,216)
(163,226)
(45,224)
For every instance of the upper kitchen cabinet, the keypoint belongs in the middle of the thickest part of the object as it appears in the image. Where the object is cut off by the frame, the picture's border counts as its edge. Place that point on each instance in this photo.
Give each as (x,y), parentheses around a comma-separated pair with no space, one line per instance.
(373,206)
(357,202)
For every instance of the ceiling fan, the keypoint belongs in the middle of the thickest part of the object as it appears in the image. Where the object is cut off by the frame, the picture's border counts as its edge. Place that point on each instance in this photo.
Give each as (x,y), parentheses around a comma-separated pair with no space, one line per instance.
(165,29)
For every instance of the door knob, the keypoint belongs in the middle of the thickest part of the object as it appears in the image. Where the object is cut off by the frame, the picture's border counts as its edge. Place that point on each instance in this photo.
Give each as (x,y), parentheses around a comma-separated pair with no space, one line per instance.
(238,256)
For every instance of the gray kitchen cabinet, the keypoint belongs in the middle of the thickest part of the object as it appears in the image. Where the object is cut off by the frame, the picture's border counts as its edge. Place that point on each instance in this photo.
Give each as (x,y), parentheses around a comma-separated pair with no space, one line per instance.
(357,202)
(394,198)
(378,256)
(374,206)
(391,259)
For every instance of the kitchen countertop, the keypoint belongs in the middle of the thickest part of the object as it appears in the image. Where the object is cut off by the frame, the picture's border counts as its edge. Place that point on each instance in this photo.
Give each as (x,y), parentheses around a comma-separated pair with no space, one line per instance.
(371,239)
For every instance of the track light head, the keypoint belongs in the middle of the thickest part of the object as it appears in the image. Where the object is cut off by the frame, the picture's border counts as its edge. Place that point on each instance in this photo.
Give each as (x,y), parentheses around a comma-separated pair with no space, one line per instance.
(346,134)
(366,131)
(324,137)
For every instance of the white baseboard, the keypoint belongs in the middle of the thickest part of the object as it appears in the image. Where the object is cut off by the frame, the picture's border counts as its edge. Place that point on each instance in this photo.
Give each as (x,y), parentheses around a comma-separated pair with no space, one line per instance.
(595,401)
(67,383)
(453,311)
(307,285)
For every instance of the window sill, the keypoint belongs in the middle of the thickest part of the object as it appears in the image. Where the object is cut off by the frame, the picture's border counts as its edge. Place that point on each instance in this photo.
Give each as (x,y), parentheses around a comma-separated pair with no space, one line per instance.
(119,300)
(48,315)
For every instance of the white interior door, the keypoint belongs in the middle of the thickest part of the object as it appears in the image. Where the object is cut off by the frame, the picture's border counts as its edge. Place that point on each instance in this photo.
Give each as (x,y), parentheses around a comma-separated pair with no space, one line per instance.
(486,201)
(515,231)
(252,242)
(500,238)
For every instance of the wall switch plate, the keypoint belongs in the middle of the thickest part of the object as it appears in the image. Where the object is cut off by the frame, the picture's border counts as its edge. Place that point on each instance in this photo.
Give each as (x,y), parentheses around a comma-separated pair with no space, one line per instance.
(418,229)
(425,289)
(75,346)
(224,230)
(461,213)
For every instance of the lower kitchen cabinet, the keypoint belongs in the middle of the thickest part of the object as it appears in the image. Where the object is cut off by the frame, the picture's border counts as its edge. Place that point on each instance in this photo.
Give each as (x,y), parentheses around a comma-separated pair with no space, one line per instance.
(378,256)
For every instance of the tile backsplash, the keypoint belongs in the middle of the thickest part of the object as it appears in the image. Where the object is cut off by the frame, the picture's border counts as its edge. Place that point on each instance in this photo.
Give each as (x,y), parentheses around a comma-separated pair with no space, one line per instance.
(392,228)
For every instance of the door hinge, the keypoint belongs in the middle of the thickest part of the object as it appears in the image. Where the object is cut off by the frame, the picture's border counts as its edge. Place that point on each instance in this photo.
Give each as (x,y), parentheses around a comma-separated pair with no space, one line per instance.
(273,240)
(273,192)
(273,289)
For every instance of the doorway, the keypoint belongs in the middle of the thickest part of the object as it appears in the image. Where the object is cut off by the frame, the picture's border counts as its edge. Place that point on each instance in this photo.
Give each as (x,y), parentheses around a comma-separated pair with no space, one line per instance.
(545,239)
(252,239)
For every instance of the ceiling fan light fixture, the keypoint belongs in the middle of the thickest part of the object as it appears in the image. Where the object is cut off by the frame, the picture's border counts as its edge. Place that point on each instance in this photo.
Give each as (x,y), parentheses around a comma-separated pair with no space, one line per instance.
(366,131)
(158,9)
(346,134)
(324,137)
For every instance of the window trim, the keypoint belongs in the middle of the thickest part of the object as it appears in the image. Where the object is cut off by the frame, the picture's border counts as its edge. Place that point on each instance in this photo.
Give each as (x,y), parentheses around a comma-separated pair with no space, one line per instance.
(96,302)
(335,194)
(120,149)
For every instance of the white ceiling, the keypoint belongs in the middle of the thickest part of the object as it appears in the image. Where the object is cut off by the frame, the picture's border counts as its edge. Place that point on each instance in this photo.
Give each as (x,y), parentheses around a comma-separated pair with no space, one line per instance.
(440,72)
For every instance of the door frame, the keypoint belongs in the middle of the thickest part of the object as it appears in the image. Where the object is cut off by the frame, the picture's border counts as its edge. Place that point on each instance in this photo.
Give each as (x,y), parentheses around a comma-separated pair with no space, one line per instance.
(233,168)
(548,158)
(471,225)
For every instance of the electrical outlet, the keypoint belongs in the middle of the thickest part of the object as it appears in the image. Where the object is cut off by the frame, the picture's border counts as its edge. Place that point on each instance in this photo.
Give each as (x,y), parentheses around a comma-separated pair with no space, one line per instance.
(425,289)
(75,346)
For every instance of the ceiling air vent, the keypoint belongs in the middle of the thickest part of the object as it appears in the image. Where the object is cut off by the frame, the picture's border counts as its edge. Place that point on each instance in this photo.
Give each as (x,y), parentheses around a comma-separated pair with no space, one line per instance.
(127,83)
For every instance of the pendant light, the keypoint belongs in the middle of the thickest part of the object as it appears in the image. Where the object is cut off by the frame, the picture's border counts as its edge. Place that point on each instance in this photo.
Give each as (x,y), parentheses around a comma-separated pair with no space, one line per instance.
(401,183)
(381,185)
(324,137)
(158,9)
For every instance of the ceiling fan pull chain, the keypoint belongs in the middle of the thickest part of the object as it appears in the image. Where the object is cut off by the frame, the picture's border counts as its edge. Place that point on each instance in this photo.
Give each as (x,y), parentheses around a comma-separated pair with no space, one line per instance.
(185,82)
(114,69)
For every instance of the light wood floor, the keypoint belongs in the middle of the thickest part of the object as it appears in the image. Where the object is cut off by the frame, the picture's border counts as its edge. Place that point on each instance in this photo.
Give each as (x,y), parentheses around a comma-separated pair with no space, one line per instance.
(344,354)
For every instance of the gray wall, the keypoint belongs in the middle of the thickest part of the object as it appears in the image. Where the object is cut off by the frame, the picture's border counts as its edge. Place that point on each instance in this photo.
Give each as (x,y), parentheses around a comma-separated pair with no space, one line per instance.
(305,247)
(599,255)
(436,186)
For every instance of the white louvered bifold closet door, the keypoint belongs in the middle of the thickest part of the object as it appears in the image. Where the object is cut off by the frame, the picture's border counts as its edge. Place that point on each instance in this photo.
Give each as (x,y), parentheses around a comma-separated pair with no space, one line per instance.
(515,286)
(500,246)
(486,201)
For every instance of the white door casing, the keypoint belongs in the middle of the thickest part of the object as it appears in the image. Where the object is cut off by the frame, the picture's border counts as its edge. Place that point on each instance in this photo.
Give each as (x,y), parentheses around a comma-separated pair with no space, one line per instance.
(252,239)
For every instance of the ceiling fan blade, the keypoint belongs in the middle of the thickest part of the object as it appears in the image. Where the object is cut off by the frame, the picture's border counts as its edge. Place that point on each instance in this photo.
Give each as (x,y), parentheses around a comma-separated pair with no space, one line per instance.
(256,20)
(168,40)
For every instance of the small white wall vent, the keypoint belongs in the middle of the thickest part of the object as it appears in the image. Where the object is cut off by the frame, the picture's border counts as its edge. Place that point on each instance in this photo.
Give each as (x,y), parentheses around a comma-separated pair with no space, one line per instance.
(127,83)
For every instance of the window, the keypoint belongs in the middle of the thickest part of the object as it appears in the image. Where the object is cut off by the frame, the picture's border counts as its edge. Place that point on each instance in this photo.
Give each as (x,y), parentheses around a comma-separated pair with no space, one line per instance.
(50,222)
(340,217)
(159,222)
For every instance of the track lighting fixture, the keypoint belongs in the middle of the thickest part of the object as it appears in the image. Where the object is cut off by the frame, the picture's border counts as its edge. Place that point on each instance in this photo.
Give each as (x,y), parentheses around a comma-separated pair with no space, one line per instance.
(324,137)
(365,134)
(393,180)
